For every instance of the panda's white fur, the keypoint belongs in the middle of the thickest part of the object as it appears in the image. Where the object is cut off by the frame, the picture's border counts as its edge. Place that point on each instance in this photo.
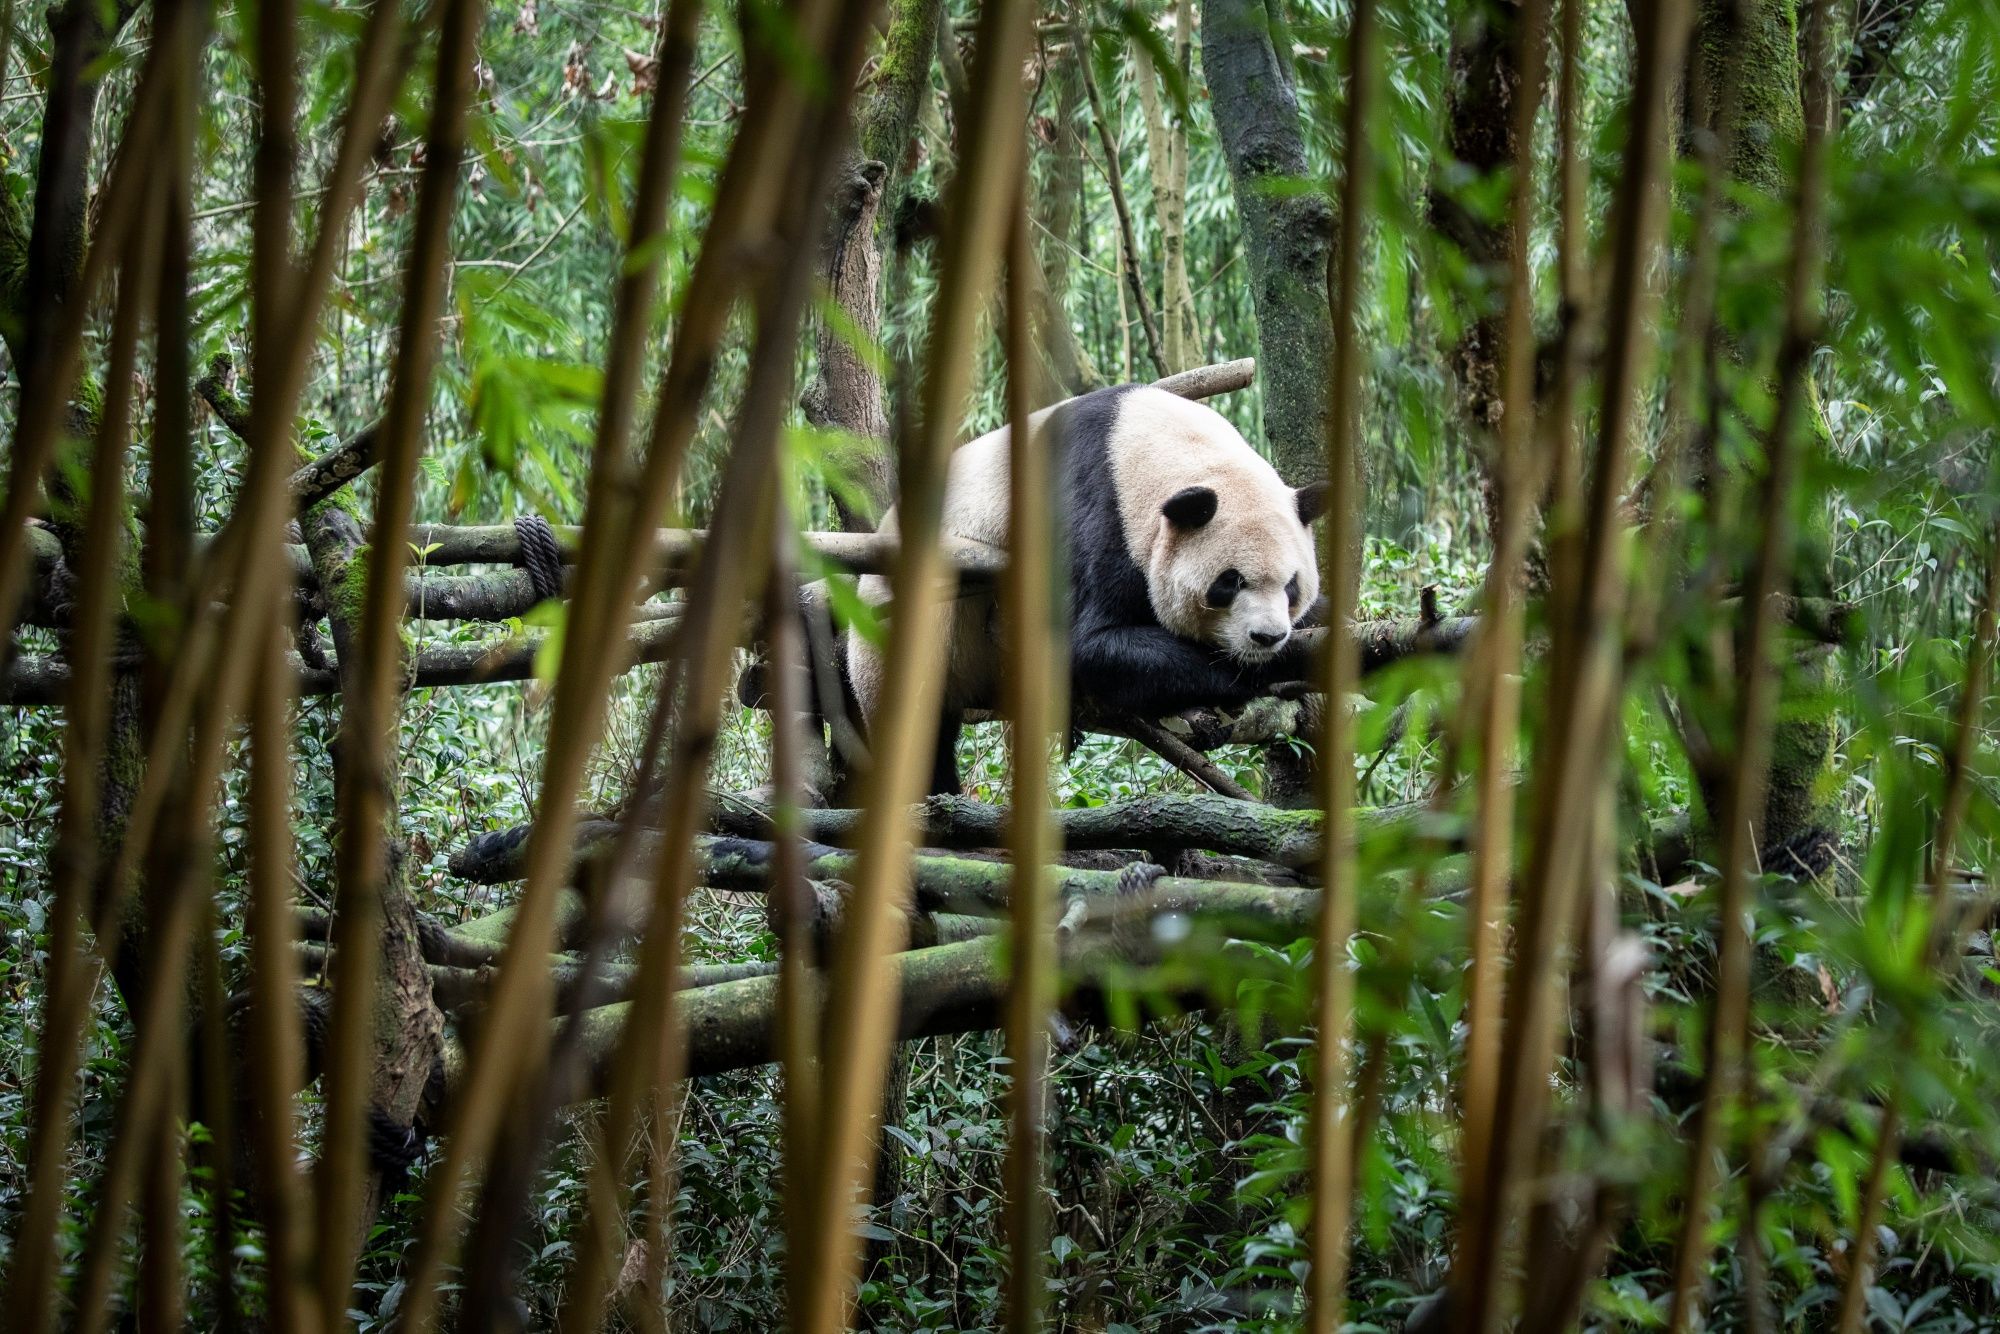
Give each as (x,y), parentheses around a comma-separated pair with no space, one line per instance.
(1160,497)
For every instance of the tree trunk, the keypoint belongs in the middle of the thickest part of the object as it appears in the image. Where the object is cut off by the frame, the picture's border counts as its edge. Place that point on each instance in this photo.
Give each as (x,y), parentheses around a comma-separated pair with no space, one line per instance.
(1482,84)
(1287,232)
(847,394)
(1797,832)
(408,1029)
(1167,148)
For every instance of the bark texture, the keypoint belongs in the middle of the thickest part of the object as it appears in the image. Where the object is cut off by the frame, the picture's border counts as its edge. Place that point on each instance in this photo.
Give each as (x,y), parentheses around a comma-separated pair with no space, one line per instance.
(847,393)
(407,1026)
(1287,228)
(1797,832)
(1483,83)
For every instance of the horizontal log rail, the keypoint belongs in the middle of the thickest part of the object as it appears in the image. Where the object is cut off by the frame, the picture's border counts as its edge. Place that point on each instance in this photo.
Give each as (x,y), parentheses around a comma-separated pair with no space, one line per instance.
(44,680)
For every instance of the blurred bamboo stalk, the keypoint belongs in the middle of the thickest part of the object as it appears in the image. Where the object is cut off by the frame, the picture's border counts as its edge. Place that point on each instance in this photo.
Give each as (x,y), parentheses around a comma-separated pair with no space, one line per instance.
(654,1058)
(55,349)
(1329,1142)
(1582,690)
(277,1064)
(617,504)
(862,993)
(1761,674)
(798,1011)
(371,687)
(1493,684)
(1942,943)
(1036,701)
(76,856)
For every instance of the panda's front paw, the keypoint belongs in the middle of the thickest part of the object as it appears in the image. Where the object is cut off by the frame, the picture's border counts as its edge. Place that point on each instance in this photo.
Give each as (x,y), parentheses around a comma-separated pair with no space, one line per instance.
(1293,662)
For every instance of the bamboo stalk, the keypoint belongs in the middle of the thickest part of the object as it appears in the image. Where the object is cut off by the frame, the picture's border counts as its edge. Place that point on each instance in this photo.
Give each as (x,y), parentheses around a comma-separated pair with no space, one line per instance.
(604,580)
(245,566)
(52,376)
(277,1065)
(1583,688)
(858,1053)
(791,896)
(1330,1145)
(1943,943)
(1114,177)
(1729,1023)
(653,1066)
(371,687)
(1035,702)
(1495,667)
(74,861)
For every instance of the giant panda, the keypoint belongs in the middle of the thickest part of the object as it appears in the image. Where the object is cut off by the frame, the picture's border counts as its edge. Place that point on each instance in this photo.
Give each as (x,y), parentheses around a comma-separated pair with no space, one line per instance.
(1190,563)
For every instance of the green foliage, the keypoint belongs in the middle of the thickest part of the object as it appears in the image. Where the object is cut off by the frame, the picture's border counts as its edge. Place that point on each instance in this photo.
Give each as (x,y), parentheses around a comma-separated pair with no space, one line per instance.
(1176,1152)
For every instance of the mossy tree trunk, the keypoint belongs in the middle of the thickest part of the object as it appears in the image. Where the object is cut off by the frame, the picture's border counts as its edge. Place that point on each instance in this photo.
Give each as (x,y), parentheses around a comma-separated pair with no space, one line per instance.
(847,392)
(407,1027)
(1483,83)
(1069,367)
(1798,819)
(1287,230)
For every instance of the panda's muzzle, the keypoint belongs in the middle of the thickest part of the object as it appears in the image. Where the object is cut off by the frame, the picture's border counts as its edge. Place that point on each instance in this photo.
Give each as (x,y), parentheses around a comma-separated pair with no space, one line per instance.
(1269,639)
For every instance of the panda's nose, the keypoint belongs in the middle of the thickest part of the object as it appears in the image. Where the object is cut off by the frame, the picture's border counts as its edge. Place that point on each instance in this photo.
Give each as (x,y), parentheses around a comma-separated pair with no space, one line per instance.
(1269,638)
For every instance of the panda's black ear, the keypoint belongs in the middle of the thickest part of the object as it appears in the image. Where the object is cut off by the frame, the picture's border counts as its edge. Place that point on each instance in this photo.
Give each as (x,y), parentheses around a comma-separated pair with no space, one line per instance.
(1312,501)
(1190,508)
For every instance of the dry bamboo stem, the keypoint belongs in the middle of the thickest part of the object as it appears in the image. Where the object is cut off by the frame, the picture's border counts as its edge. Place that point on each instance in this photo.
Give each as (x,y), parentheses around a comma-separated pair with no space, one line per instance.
(1330,1144)
(1495,688)
(277,1063)
(655,1056)
(1035,702)
(50,381)
(589,660)
(280,346)
(371,688)
(1729,1022)
(862,991)
(791,905)
(1583,689)
(74,861)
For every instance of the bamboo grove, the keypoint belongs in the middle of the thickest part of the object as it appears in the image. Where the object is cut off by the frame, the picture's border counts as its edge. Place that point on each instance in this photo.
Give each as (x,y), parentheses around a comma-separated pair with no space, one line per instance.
(1597,938)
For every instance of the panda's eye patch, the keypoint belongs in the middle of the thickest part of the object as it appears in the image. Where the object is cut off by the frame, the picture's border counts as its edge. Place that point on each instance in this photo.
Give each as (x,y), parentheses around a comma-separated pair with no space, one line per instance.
(1292,592)
(1225,588)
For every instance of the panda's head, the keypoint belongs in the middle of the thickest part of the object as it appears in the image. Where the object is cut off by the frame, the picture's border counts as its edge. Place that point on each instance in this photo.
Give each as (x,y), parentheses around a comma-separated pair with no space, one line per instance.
(1234,563)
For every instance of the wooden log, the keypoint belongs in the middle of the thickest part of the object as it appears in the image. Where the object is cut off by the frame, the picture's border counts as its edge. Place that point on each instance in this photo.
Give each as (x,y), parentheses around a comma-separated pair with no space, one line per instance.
(1160,823)
(36,679)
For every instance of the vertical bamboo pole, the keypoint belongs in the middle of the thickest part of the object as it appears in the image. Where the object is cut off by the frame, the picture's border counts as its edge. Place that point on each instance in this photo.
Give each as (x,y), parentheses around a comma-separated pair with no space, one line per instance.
(1729,1022)
(620,510)
(277,1064)
(75,857)
(1036,701)
(373,686)
(1584,684)
(791,902)
(1497,663)
(1330,1144)
(863,990)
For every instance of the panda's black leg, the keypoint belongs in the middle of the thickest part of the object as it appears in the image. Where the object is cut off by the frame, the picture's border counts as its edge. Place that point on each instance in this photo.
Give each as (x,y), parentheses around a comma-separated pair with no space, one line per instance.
(944,761)
(1147,670)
